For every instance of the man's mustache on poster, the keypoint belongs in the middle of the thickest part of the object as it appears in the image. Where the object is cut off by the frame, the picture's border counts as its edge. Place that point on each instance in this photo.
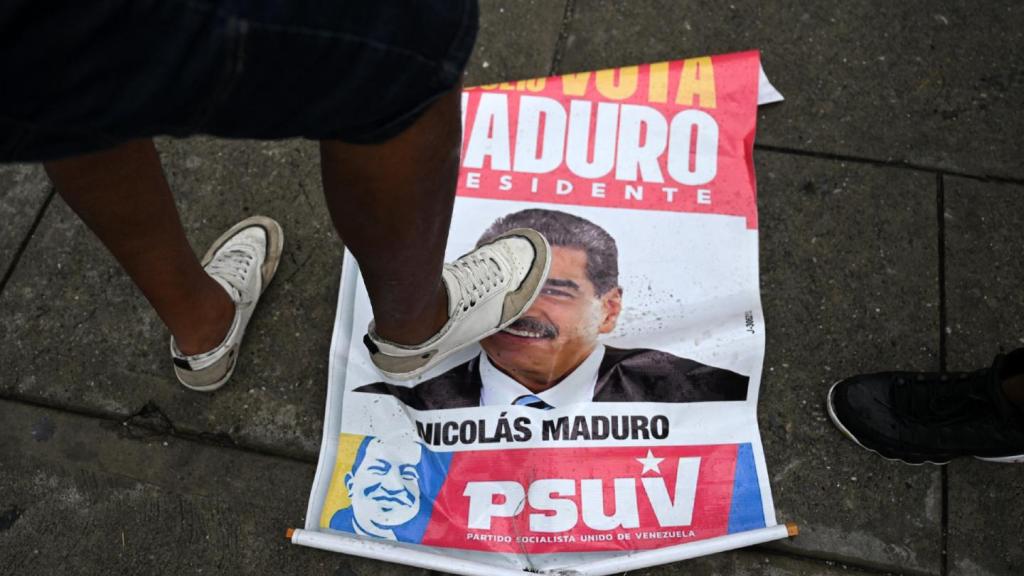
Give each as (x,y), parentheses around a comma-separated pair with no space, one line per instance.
(531,327)
(389,495)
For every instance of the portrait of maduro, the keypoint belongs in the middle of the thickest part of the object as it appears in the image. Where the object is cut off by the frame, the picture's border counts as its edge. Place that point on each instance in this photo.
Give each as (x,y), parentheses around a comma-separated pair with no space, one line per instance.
(389,488)
(552,356)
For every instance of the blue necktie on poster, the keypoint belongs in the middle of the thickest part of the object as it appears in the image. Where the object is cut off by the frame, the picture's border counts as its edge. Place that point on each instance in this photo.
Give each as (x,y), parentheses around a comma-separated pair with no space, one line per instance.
(614,426)
(532,401)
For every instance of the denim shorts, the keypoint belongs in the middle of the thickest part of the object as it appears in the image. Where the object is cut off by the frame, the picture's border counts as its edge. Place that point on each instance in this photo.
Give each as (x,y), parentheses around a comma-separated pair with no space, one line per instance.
(84,76)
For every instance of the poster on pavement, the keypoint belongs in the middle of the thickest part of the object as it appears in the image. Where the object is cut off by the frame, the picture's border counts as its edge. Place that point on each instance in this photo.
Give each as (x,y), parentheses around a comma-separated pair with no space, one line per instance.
(614,424)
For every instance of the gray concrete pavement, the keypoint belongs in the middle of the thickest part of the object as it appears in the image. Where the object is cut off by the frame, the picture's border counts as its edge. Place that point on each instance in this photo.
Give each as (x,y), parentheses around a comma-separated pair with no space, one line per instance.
(890,186)
(111,354)
(281,407)
(936,84)
(26,190)
(845,248)
(82,495)
(983,275)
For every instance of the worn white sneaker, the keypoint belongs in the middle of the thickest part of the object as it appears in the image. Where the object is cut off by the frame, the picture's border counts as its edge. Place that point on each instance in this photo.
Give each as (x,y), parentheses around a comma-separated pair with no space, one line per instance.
(243,260)
(488,289)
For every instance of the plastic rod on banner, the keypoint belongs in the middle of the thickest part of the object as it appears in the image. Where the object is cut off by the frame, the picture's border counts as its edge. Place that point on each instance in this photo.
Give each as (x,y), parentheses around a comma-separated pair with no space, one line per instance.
(389,553)
(670,554)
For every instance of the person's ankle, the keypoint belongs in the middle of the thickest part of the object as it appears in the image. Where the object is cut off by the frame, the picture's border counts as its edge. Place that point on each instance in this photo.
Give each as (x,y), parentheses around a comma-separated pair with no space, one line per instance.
(212,328)
(413,330)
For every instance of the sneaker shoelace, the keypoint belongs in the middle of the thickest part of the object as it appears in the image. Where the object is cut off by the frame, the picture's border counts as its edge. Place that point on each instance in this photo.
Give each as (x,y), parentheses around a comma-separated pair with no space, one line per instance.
(478,275)
(233,264)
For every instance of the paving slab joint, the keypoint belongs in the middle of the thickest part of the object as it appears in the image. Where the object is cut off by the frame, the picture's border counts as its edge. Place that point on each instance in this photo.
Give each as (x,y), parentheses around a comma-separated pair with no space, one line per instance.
(900,164)
(28,236)
(563,38)
(940,205)
(150,423)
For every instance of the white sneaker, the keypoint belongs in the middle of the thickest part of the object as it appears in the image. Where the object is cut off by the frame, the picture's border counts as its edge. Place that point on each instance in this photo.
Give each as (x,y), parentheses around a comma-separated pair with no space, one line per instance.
(243,260)
(488,289)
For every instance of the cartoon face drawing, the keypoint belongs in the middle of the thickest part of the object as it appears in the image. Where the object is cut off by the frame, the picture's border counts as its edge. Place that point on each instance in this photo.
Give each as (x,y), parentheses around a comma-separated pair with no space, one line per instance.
(384,486)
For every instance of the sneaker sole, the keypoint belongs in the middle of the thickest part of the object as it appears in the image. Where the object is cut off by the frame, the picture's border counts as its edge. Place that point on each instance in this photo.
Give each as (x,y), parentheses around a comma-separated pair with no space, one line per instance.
(516,304)
(1018,459)
(275,245)
(520,300)
(846,432)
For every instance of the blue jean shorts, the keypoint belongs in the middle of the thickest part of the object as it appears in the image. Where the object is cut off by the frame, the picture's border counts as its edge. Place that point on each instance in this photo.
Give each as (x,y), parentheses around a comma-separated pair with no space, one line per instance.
(84,76)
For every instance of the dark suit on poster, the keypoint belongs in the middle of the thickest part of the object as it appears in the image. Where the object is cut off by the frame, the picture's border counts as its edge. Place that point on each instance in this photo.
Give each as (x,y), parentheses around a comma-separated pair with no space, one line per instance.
(635,375)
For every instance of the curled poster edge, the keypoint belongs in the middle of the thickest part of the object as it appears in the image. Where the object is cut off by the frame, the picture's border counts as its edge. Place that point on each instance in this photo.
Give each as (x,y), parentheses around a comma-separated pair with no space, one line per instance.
(766,93)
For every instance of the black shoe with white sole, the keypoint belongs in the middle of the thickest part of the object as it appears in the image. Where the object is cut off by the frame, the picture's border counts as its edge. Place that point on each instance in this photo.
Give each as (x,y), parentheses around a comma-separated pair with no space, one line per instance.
(926,417)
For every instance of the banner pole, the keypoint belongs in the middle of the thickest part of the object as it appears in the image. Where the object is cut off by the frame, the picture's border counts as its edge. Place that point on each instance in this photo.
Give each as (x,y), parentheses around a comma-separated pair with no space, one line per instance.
(649,558)
(378,550)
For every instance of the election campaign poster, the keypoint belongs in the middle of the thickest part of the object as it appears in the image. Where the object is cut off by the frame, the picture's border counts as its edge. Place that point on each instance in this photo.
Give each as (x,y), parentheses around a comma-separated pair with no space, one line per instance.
(612,426)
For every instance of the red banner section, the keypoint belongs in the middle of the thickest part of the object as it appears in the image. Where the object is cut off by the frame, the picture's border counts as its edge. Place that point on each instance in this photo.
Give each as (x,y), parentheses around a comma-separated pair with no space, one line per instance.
(583,499)
(672,136)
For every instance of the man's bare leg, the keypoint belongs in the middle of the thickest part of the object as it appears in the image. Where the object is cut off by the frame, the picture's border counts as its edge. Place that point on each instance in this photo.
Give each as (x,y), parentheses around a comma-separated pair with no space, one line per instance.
(122,196)
(391,204)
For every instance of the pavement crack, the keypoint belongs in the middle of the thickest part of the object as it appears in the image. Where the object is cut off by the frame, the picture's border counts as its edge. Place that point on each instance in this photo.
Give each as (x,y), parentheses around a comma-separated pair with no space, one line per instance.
(88,317)
(298,268)
(41,351)
(305,196)
(216,438)
(148,422)
(39,313)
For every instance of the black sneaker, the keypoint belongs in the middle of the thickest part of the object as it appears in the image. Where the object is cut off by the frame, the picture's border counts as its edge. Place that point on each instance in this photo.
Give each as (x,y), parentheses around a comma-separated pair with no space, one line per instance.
(920,417)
